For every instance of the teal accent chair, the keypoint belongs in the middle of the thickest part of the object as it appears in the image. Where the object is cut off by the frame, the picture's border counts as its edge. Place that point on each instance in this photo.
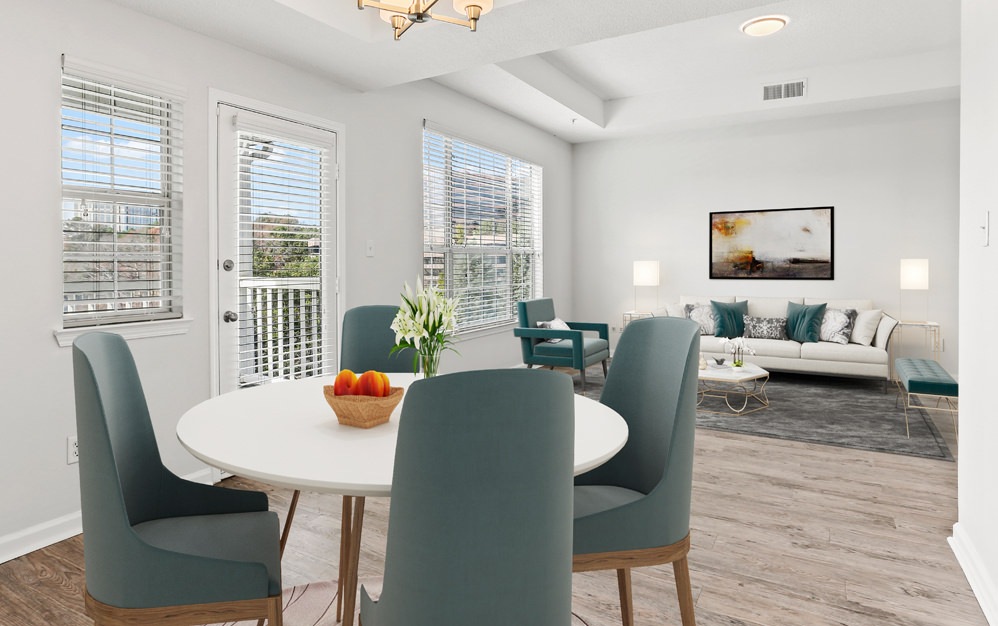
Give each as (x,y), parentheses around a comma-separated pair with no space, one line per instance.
(367,341)
(159,549)
(480,526)
(634,510)
(575,350)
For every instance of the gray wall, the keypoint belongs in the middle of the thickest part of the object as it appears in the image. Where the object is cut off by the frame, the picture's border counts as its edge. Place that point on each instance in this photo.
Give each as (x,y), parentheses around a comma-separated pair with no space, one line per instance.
(891,174)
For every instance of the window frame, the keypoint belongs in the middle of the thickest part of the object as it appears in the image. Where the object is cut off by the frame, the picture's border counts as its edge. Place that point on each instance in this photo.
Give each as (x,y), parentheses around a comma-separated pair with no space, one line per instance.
(516,202)
(162,194)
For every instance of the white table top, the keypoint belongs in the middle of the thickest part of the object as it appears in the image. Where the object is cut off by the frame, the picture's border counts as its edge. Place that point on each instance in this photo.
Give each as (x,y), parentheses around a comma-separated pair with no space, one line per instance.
(728,374)
(285,434)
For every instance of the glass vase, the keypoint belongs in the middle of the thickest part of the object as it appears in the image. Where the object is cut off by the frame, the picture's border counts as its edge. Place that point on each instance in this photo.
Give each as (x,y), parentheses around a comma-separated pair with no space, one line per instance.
(429,362)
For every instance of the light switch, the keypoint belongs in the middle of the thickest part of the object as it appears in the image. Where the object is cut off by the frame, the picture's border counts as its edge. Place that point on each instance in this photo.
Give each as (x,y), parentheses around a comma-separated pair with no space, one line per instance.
(369,249)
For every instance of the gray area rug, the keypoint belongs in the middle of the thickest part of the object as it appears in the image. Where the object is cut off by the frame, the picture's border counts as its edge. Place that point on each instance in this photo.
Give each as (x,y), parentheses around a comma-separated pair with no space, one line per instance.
(847,412)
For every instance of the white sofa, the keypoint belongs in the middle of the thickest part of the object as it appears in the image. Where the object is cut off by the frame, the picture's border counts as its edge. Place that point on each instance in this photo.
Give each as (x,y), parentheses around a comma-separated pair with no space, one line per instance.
(823,357)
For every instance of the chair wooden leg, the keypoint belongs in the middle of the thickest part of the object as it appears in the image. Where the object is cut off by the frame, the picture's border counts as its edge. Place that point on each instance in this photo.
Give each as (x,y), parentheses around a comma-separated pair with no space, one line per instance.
(275,613)
(684,588)
(626,603)
(604,368)
(583,373)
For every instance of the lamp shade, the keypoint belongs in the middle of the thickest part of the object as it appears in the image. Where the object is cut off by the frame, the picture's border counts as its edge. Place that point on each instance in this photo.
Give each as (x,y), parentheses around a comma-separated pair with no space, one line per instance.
(646,273)
(914,273)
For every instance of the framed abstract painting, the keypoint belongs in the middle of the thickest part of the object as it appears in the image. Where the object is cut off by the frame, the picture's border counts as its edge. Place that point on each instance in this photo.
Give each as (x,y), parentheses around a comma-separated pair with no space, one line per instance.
(782,244)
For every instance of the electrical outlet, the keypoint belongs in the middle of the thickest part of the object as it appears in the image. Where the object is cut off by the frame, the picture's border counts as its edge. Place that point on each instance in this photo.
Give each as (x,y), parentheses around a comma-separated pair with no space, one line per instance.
(72,450)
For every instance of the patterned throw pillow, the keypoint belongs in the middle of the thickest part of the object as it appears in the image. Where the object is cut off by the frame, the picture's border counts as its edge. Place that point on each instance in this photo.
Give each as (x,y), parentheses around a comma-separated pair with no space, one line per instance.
(765,327)
(836,325)
(702,314)
(555,324)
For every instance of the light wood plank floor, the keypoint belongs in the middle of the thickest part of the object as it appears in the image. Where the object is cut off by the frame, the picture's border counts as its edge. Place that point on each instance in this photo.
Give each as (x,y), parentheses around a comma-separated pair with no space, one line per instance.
(784,533)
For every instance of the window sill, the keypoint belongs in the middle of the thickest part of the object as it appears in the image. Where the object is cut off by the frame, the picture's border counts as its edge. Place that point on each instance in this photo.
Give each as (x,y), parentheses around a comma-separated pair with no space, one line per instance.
(131,330)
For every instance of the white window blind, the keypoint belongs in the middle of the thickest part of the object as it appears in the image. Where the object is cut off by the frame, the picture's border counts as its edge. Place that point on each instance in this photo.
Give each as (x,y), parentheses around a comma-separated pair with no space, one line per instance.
(284,196)
(122,194)
(482,239)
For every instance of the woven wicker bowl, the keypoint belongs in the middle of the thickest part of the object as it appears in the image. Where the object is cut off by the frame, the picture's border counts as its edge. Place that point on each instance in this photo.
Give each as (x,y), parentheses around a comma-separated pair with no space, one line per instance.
(362,411)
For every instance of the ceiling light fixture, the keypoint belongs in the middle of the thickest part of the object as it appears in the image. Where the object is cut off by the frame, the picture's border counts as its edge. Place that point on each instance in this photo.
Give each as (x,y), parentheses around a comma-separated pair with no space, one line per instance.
(764,25)
(401,18)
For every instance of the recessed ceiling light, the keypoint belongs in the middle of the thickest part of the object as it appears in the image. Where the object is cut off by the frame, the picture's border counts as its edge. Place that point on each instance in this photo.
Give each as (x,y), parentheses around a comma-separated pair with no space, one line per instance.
(764,25)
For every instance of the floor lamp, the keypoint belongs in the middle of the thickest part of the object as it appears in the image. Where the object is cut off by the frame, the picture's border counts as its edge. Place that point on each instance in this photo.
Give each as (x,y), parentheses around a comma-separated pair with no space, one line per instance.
(646,274)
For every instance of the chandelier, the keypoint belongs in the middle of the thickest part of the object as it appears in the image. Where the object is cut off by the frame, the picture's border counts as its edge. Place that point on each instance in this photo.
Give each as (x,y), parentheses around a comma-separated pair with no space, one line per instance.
(401,18)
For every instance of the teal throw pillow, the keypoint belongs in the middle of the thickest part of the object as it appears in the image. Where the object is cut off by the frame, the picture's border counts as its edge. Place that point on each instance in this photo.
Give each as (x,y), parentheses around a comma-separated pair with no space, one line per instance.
(730,318)
(804,321)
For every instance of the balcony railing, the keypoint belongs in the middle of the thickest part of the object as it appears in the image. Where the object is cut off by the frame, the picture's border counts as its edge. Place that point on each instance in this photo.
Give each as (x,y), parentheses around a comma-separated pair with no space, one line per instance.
(281,330)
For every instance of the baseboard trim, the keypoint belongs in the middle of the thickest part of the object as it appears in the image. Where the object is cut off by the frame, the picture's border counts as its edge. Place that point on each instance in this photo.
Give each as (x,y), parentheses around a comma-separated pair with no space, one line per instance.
(19,543)
(984,588)
(39,536)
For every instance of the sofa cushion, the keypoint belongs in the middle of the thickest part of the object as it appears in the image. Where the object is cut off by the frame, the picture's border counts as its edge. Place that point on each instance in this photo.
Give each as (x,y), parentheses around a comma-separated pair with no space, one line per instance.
(865,327)
(836,325)
(804,321)
(590,346)
(849,353)
(710,343)
(768,307)
(729,317)
(765,327)
(702,314)
(784,348)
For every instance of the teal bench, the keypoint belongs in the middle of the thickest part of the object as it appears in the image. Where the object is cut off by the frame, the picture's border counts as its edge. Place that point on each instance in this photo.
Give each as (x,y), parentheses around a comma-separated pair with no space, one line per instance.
(926,378)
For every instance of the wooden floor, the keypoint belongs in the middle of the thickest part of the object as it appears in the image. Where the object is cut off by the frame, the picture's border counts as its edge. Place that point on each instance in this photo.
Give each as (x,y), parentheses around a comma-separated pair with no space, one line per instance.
(783,533)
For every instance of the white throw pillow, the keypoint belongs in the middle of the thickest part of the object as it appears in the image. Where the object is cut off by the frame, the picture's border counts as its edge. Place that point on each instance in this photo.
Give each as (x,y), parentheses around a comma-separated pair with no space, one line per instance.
(865,328)
(555,324)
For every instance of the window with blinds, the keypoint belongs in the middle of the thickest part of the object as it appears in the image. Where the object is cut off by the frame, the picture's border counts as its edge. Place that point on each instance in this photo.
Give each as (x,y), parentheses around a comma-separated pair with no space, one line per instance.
(482,239)
(121,203)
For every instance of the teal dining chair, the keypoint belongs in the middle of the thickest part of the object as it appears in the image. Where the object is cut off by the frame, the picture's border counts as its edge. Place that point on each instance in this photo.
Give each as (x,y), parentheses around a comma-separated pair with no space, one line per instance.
(367,341)
(480,524)
(634,510)
(159,549)
(543,345)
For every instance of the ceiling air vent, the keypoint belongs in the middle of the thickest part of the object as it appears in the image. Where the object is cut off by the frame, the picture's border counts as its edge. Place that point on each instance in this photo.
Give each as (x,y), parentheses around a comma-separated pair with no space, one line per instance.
(782,91)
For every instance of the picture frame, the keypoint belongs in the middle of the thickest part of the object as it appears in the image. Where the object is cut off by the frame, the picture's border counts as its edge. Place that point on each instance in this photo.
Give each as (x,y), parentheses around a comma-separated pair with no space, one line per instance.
(773,244)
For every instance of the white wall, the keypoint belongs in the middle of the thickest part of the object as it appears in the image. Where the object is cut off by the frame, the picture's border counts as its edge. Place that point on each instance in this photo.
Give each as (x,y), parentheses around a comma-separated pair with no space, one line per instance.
(975,540)
(39,491)
(891,174)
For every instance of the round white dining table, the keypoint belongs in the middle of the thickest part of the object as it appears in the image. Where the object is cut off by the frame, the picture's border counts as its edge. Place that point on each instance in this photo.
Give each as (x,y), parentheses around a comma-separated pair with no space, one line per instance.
(284,434)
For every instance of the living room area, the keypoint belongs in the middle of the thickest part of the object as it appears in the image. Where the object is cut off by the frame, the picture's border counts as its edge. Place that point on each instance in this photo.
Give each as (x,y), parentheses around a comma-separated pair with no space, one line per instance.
(897,141)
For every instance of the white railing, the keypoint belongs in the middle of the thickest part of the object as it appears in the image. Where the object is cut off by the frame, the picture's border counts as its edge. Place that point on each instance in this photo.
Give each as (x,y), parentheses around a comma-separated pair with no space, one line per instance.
(281,330)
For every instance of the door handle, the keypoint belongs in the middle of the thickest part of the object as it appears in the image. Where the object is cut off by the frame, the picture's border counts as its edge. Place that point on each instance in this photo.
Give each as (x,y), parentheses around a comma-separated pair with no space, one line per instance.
(230,316)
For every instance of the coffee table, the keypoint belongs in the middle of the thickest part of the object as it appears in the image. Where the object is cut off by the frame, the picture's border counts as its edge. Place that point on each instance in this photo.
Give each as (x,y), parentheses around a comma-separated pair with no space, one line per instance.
(727,382)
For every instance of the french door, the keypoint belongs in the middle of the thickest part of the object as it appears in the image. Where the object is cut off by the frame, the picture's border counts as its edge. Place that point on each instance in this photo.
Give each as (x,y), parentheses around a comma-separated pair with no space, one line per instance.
(276,249)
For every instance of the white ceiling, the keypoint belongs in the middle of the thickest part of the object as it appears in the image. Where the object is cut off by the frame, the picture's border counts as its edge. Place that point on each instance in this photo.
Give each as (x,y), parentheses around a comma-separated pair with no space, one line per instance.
(596,69)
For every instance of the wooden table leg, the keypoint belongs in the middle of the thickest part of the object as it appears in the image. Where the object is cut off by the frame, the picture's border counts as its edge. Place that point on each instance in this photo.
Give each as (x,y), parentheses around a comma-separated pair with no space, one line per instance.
(288,520)
(353,560)
(344,553)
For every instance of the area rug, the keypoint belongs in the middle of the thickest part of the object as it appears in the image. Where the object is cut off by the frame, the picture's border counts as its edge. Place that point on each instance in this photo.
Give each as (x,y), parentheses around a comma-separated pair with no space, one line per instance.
(314,604)
(846,412)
